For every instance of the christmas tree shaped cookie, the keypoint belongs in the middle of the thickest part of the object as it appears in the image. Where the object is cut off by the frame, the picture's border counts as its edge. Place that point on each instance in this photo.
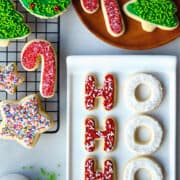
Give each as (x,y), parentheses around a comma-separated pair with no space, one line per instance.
(153,14)
(46,9)
(12,25)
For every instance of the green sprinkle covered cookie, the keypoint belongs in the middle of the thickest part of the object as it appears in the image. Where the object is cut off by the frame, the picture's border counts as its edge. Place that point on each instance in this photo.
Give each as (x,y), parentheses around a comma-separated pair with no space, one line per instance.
(153,14)
(46,9)
(12,25)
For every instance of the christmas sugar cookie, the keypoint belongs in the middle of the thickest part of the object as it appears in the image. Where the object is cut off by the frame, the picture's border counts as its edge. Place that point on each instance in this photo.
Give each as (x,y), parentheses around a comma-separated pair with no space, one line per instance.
(38,52)
(24,120)
(91,172)
(11,23)
(111,12)
(92,134)
(92,92)
(46,9)
(153,14)
(9,78)
(151,166)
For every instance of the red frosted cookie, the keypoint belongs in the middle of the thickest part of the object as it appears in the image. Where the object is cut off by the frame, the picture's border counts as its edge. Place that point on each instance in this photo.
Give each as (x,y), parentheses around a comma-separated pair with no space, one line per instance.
(91,171)
(41,51)
(92,134)
(111,12)
(107,92)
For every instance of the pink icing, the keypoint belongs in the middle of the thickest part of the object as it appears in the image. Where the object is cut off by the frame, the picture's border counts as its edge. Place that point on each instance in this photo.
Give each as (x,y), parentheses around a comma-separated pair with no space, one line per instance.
(30,61)
(114,15)
(90,5)
(92,174)
(91,134)
(107,92)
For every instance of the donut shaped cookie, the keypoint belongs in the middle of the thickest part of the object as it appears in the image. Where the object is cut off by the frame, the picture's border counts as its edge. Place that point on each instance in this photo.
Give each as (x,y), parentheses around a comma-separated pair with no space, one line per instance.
(139,163)
(156,134)
(155,87)
(46,9)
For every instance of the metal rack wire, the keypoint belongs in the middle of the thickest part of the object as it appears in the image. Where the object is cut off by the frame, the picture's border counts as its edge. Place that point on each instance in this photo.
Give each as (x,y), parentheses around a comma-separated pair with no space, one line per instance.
(41,29)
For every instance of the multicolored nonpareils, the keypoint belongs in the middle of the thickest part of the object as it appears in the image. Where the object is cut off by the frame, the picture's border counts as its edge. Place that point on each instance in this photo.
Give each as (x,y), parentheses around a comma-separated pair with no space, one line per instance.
(24,120)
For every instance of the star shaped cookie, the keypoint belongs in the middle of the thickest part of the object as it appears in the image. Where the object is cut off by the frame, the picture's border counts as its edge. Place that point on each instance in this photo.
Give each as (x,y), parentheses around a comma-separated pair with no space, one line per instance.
(9,78)
(24,120)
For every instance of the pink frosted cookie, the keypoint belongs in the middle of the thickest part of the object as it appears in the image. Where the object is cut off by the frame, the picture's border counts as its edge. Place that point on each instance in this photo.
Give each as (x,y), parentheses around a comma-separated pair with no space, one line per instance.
(41,51)
(91,171)
(111,12)
(107,92)
(24,120)
(92,134)
(9,78)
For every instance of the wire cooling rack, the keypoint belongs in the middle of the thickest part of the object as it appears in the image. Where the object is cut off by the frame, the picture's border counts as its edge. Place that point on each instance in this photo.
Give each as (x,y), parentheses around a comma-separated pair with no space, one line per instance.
(41,29)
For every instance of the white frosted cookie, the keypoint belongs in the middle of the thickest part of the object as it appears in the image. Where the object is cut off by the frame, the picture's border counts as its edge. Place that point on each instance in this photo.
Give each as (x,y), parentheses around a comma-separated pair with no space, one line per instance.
(152,83)
(155,130)
(136,164)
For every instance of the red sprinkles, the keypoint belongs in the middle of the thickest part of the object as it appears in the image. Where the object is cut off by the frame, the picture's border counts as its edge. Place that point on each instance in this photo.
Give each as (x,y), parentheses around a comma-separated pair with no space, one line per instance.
(107,92)
(40,49)
(91,134)
(92,174)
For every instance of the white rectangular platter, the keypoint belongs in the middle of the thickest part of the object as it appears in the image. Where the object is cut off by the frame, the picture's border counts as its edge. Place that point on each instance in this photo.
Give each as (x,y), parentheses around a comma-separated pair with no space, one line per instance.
(162,67)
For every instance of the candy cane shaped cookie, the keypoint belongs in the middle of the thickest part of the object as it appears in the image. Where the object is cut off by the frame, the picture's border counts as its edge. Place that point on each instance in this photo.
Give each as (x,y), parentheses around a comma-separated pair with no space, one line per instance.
(41,51)
(113,18)
(107,92)
(90,6)
(92,134)
(111,12)
(91,171)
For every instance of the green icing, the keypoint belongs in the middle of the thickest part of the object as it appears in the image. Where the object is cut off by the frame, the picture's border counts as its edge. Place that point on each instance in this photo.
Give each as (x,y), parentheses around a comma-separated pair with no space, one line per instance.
(46,8)
(12,25)
(160,12)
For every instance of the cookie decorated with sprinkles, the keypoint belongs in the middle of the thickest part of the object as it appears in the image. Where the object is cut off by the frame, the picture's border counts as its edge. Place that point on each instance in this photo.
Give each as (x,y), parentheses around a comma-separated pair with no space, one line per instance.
(24,120)
(153,14)
(46,9)
(10,78)
(11,23)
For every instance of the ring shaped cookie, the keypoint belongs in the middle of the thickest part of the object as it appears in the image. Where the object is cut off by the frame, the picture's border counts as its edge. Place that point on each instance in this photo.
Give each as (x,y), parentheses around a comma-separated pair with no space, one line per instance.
(154,128)
(137,164)
(156,95)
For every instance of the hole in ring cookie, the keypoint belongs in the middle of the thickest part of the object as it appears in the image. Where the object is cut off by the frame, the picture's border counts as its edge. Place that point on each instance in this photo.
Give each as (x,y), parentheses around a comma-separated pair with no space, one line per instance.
(143,92)
(142,174)
(143,135)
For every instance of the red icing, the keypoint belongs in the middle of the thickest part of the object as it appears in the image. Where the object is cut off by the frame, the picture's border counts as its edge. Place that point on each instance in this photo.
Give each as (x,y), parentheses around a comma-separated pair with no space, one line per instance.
(92,174)
(114,15)
(57,8)
(90,5)
(107,92)
(32,5)
(91,134)
(30,60)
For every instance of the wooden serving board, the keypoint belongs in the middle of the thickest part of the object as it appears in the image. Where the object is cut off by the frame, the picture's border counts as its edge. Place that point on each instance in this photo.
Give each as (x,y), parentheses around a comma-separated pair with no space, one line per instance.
(134,38)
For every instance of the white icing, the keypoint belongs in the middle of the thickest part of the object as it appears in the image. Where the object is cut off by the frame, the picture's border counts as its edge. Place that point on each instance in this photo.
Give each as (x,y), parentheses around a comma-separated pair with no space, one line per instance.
(156,134)
(156,92)
(137,164)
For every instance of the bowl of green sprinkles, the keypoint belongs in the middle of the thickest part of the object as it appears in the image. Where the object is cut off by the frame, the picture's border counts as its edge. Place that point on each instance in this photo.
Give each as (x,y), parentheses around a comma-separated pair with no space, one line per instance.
(148,23)
(46,9)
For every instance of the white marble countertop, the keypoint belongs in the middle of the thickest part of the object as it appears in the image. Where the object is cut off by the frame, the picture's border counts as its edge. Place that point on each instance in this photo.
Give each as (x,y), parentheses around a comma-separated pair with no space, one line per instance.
(50,150)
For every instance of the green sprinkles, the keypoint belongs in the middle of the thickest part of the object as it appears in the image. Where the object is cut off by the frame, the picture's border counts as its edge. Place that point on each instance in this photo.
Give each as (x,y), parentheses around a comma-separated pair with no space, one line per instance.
(11,22)
(160,12)
(46,8)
